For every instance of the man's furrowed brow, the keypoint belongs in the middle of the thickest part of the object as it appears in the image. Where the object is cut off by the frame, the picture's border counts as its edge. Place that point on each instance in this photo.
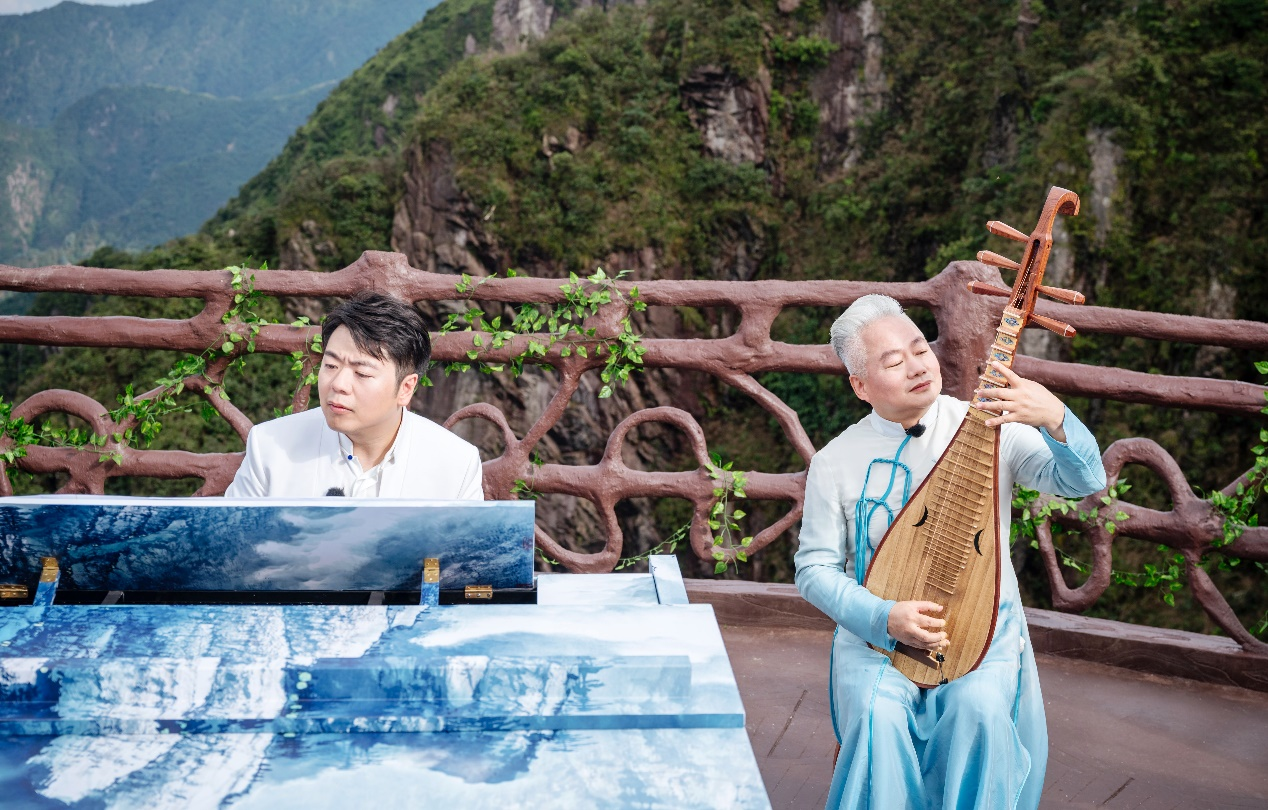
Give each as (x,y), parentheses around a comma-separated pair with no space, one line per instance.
(372,363)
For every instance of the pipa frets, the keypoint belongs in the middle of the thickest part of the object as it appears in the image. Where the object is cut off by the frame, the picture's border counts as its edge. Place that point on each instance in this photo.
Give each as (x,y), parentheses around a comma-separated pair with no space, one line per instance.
(944,544)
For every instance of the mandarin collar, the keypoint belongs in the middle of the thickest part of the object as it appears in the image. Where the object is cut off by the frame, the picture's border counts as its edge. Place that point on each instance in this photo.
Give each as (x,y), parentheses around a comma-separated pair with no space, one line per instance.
(895,430)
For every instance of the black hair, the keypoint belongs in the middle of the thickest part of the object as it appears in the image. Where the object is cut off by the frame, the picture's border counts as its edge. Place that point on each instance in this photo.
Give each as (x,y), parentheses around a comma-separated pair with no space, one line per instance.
(385,329)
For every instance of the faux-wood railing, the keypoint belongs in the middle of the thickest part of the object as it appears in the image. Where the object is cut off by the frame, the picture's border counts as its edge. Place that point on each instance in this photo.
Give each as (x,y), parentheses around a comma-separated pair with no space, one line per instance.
(965,322)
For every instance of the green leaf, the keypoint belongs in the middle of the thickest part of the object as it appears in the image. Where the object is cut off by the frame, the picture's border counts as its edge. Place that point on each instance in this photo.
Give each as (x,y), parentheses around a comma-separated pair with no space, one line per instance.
(719,568)
(738,513)
(226,347)
(605,392)
(718,555)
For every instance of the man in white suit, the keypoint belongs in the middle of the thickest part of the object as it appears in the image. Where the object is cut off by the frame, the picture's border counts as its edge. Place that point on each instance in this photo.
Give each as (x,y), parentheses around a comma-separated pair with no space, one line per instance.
(363,442)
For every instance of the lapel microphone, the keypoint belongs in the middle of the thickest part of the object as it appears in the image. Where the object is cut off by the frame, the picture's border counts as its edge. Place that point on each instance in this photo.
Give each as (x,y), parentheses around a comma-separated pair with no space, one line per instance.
(915,431)
(338,491)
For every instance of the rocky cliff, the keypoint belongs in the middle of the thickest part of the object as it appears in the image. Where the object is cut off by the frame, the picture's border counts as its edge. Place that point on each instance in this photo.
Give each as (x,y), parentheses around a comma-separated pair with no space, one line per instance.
(731,139)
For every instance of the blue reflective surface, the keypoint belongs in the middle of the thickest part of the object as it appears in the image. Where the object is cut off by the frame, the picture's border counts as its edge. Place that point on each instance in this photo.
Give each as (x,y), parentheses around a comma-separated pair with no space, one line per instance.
(173,544)
(627,768)
(600,706)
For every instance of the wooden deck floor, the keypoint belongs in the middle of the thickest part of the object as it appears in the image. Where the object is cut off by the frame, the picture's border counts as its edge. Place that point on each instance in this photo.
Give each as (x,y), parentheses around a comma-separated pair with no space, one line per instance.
(1119,739)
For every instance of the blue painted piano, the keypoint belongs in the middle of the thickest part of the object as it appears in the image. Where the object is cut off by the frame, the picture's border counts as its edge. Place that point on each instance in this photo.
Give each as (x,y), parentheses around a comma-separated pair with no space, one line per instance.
(210,679)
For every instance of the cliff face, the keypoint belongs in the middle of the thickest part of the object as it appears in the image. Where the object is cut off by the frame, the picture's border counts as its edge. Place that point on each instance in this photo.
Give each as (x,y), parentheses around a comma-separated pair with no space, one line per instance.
(864,139)
(732,139)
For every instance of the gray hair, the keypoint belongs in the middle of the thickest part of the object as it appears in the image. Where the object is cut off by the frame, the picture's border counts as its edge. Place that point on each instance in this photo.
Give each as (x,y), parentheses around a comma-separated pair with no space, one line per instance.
(847,332)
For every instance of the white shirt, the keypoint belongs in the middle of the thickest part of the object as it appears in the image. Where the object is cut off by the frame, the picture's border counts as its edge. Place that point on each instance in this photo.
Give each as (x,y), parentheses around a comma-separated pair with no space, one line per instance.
(360,483)
(299,456)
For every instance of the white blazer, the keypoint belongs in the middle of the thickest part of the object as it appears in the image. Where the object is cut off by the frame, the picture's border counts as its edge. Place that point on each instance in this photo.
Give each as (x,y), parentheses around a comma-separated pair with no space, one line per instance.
(298,456)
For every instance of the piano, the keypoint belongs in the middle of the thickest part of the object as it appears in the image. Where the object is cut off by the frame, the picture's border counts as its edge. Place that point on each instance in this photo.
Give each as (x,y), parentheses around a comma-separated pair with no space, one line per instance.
(229,653)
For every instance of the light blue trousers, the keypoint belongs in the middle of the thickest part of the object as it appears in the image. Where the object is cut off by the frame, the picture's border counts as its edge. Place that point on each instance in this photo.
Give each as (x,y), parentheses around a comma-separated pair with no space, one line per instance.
(954,746)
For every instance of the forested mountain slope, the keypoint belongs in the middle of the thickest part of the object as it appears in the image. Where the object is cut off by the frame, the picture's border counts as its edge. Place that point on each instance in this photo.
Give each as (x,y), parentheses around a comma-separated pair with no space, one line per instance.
(131,125)
(226,48)
(745,139)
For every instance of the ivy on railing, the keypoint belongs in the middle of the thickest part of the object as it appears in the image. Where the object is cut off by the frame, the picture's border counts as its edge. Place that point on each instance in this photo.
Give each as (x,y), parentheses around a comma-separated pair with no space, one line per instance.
(1241,509)
(145,413)
(565,322)
(1037,509)
(723,519)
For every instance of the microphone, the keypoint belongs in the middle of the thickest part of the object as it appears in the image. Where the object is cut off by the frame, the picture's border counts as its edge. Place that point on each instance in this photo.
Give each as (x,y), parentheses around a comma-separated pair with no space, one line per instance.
(338,491)
(915,431)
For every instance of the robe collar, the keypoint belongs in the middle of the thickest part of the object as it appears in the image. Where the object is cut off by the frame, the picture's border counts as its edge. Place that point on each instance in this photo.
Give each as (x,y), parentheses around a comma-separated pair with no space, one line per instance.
(895,430)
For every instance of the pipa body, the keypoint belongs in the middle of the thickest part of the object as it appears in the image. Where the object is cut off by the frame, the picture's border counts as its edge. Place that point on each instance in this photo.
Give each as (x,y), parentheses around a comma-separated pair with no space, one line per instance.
(944,545)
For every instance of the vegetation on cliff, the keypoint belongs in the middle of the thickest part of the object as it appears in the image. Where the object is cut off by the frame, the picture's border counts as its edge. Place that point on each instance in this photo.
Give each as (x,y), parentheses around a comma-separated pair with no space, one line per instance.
(129,126)
(730,139)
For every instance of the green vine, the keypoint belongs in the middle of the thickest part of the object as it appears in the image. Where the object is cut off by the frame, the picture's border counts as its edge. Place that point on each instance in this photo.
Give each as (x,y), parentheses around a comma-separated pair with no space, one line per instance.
(523,490)
(1034,511)
(1241,508)
(723,520)
(667,546)
(1033,516)
(148,412)
(562,323)
(304,374)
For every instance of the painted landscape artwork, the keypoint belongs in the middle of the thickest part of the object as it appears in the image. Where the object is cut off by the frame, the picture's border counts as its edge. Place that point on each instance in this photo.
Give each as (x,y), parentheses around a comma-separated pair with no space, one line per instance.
(201,544)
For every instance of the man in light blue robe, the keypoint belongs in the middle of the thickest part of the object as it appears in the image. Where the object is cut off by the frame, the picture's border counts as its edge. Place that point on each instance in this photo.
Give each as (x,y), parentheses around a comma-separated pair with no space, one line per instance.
(981,740)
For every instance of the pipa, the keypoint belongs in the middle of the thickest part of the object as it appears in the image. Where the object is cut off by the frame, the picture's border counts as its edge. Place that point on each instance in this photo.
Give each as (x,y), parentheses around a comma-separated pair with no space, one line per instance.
(944,545)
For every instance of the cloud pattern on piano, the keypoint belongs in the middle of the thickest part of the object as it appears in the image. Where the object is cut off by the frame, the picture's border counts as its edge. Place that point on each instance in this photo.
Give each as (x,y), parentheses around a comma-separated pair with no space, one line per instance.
(544,697)
(123,544)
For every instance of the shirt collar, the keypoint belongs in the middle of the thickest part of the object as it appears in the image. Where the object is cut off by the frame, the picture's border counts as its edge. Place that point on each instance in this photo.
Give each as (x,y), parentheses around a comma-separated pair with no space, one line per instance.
(343,445)
(895,430)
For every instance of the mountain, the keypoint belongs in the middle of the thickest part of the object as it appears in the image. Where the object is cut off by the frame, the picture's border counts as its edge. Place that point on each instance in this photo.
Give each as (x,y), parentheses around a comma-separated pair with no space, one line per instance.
(749,139)
(227,48)
(132,125)
(132,166)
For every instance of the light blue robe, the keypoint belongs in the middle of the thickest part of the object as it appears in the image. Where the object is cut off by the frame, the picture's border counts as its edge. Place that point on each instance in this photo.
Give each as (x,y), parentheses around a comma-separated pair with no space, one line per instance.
(980,741)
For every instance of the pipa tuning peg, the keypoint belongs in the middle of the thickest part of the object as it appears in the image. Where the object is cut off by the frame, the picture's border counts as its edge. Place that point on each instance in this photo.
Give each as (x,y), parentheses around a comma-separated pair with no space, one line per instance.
(1068,296)
(982,288)
(996,260)
(1006,231)
(1062,329)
